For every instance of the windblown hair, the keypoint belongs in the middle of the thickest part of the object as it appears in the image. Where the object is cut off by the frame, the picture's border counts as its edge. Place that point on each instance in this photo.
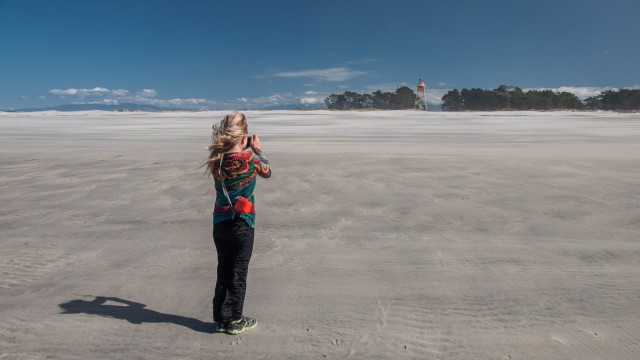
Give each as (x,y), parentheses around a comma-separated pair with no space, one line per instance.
(224,136)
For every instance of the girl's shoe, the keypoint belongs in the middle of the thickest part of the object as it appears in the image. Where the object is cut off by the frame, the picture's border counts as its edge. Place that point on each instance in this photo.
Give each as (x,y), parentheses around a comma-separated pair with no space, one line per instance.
(241,325)
(218,327)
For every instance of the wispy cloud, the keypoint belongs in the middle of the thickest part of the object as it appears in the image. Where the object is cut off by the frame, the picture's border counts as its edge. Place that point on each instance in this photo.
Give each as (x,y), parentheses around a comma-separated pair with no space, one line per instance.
(434,96)
(101,102)
(363,61)
(100,95)
(148,93)
(83,93)
(310,100)
(277,99)
(261,101)
(331,74)
(386,87)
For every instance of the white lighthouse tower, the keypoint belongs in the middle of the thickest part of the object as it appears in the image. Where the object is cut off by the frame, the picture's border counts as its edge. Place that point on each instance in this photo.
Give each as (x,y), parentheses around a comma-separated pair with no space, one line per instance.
(421,96)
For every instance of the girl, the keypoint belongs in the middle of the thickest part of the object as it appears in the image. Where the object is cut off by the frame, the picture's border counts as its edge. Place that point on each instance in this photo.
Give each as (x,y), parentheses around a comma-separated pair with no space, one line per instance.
(234,162)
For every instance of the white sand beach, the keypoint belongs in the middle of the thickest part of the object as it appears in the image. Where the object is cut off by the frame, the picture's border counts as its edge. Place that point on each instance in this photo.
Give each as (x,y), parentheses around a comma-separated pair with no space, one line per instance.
(381,235)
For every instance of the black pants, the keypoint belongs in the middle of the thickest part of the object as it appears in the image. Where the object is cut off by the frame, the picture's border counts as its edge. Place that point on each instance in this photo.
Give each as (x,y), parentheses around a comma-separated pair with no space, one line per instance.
(234,243)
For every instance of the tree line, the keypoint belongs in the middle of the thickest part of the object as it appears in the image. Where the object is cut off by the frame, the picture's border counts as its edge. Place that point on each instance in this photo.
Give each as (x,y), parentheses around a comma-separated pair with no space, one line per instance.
(513,97)
(623,99)
(501,98)
(403,98)
(509,97)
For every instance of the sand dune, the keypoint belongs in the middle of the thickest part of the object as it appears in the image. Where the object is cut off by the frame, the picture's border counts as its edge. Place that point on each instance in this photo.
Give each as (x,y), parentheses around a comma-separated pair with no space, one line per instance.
(391,235)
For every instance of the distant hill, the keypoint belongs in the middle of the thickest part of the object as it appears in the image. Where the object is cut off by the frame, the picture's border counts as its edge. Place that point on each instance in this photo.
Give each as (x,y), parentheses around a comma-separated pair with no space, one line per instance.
(85,107)
(293,107)
(140,107)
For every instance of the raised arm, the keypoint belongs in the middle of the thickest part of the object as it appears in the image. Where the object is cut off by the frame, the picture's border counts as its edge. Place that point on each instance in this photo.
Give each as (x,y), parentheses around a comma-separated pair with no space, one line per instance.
(261,163)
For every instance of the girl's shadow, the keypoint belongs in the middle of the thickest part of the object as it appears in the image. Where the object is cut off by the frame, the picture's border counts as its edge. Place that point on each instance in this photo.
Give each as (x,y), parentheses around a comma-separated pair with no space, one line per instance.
(133,312)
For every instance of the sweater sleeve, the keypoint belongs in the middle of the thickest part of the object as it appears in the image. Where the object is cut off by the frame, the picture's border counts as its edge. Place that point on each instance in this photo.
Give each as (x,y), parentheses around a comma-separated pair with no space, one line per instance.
(261,164)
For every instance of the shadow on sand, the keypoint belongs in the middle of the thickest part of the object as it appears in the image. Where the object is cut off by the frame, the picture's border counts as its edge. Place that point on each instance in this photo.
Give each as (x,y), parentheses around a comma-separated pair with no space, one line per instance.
(133,312)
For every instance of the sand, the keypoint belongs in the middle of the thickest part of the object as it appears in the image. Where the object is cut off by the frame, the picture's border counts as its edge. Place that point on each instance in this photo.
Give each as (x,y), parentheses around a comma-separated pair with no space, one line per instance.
(381,235)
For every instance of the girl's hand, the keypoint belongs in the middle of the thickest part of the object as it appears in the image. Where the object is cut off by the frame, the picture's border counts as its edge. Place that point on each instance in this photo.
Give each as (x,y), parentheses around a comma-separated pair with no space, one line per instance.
(255,142)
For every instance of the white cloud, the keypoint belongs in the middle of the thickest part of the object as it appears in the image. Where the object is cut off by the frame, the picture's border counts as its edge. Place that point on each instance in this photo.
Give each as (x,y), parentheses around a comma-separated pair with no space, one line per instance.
(387,87)
(277,100)
(102,102)
(310,100)
(311,92)
(63,92)
(148,93)
(363,61)
(23,97)
(331,74)
(100,95)
(84,93)
(119,92)
(434,96)
(190,101)
(42,97)
(272,99)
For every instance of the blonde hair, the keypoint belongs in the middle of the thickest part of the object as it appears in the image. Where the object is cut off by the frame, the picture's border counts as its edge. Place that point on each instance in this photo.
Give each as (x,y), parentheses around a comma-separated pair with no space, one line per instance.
(225,136)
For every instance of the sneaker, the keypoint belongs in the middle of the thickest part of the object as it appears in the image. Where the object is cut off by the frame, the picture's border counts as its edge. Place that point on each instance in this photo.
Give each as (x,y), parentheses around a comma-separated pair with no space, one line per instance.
(241,325)
(218,327)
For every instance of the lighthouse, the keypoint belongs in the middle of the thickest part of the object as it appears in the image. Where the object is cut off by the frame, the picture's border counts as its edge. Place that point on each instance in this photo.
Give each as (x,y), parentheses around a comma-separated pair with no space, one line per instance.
(421,97)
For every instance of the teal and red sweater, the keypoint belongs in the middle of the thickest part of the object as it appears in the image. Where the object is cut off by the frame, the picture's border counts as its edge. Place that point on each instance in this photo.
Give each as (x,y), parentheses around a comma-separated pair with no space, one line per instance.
(239,170)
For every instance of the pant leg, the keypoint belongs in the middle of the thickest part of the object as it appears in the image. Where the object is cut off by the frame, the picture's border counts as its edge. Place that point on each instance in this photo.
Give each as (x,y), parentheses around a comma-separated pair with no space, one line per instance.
(222,281)
(234,244)
(244,234)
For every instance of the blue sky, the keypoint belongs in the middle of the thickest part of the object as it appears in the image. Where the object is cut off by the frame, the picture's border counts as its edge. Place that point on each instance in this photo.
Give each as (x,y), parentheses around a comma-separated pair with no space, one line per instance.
(248,54)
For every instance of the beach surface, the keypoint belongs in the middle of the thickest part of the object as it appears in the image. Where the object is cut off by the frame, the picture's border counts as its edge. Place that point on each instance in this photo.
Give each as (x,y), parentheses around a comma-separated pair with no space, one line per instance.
(381,235)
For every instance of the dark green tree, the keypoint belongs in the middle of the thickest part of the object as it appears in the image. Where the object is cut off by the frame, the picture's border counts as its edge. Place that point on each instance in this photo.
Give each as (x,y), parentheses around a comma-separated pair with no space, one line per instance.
(480,99)
(623,99)
(336,102)
(509,97)
(504,91)
(593,102)
(518,99)
(381,100)
(404,98)
(452,101)
(540,99)
(567,100)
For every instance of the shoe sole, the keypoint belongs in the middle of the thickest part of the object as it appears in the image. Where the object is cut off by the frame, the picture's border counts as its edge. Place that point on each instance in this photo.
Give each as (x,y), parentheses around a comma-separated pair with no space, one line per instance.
(219,329)
(244,329)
